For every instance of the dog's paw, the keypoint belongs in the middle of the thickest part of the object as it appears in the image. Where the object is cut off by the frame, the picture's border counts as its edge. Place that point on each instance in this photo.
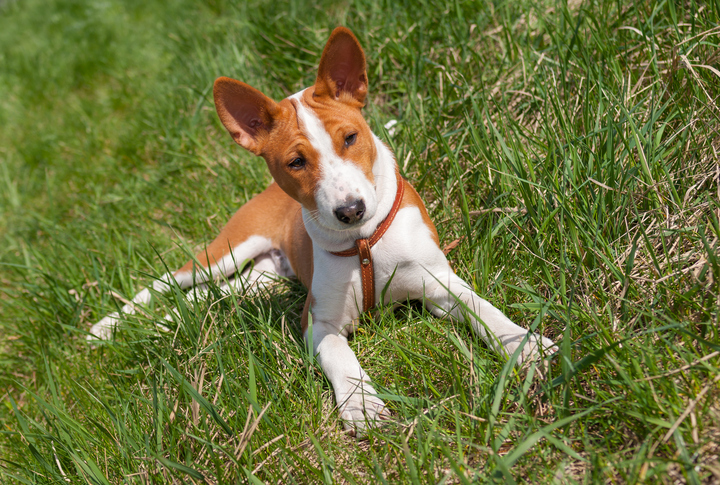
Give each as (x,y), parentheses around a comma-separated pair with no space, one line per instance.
(362,410)
(103,330)
(536,348)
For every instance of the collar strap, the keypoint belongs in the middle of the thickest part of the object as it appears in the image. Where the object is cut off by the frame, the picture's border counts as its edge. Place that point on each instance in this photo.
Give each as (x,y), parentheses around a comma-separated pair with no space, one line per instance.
(362,248)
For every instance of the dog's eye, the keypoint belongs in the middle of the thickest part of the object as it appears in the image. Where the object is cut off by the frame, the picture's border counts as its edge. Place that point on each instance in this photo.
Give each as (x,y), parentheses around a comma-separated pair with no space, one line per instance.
(297,163)
(350,139)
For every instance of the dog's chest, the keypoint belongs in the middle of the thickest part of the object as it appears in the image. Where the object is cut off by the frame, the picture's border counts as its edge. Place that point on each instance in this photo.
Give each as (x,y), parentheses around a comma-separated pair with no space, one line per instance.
(402,259)
(404,256)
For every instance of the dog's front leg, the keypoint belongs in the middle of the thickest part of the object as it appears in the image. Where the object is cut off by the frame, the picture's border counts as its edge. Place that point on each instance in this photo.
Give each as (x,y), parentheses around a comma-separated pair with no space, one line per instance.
(356,398)
(450,295)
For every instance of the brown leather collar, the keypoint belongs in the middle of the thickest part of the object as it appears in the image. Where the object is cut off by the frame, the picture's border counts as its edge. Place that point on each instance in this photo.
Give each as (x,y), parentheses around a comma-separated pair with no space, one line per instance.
(362,248)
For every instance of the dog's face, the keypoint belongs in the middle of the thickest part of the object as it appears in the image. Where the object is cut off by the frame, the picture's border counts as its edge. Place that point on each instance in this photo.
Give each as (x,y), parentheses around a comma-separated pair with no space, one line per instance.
(317,145)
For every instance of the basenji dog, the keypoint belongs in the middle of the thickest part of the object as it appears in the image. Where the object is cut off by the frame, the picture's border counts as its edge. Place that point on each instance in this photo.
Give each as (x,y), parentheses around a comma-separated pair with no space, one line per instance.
(339,217)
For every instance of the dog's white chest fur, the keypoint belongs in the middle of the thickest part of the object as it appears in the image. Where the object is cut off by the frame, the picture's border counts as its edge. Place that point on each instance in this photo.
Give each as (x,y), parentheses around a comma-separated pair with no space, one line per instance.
(403,259)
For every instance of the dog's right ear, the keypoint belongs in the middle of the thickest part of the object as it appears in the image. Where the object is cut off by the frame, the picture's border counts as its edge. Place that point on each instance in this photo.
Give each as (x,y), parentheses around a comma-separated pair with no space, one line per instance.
(246,112)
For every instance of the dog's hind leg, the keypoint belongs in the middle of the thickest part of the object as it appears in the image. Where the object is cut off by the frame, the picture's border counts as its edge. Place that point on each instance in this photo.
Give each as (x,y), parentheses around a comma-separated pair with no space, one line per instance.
(247,236)
(188,276)
(264,271)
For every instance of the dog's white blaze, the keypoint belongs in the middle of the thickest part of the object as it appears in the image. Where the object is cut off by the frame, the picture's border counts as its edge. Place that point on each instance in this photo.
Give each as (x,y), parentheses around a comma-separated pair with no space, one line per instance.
(341,181)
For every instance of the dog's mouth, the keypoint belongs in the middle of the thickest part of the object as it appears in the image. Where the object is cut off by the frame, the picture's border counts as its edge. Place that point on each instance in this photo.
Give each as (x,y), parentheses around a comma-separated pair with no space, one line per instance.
(344,221)
(345,207)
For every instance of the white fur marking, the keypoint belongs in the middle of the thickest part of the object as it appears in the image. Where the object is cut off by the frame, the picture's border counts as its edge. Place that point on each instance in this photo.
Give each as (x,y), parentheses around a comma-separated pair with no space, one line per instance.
(228,265)
(341,180)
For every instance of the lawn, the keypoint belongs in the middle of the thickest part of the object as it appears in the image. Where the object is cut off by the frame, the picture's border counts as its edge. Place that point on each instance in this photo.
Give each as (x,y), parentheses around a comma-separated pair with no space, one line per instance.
(569,151)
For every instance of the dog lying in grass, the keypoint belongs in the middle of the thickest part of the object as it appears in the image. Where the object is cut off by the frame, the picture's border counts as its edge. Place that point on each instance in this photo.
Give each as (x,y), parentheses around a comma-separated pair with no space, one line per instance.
(341,219)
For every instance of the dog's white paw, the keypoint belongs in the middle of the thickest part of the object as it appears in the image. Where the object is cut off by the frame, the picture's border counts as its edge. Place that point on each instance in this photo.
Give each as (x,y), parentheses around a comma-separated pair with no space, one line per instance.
(536,348)
(362,410)
(103,330)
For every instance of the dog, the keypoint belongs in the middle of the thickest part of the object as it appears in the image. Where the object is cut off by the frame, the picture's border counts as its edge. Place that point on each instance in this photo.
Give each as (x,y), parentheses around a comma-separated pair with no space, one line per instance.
(340,218)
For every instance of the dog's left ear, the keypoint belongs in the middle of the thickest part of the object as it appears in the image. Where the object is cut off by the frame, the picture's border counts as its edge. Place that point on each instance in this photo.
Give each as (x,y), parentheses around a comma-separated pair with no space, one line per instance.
(342,68)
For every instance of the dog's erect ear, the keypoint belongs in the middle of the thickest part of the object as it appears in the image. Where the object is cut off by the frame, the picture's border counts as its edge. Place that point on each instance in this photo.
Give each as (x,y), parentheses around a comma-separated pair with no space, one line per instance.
(342,67)
(245,111)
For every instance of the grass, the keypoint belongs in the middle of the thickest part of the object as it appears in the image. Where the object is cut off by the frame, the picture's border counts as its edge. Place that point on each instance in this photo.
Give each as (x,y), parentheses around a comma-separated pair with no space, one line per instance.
(572,148)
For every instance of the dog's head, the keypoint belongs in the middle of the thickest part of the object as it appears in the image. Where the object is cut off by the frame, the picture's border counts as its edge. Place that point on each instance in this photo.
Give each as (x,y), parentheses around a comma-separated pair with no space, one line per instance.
(317,145)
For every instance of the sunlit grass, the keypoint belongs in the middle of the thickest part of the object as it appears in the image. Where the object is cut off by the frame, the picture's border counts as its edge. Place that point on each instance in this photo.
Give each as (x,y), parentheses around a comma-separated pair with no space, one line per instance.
(572,149)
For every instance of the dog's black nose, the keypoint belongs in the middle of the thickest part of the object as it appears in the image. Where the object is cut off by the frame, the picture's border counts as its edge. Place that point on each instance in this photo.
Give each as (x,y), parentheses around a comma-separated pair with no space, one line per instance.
(352,212)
